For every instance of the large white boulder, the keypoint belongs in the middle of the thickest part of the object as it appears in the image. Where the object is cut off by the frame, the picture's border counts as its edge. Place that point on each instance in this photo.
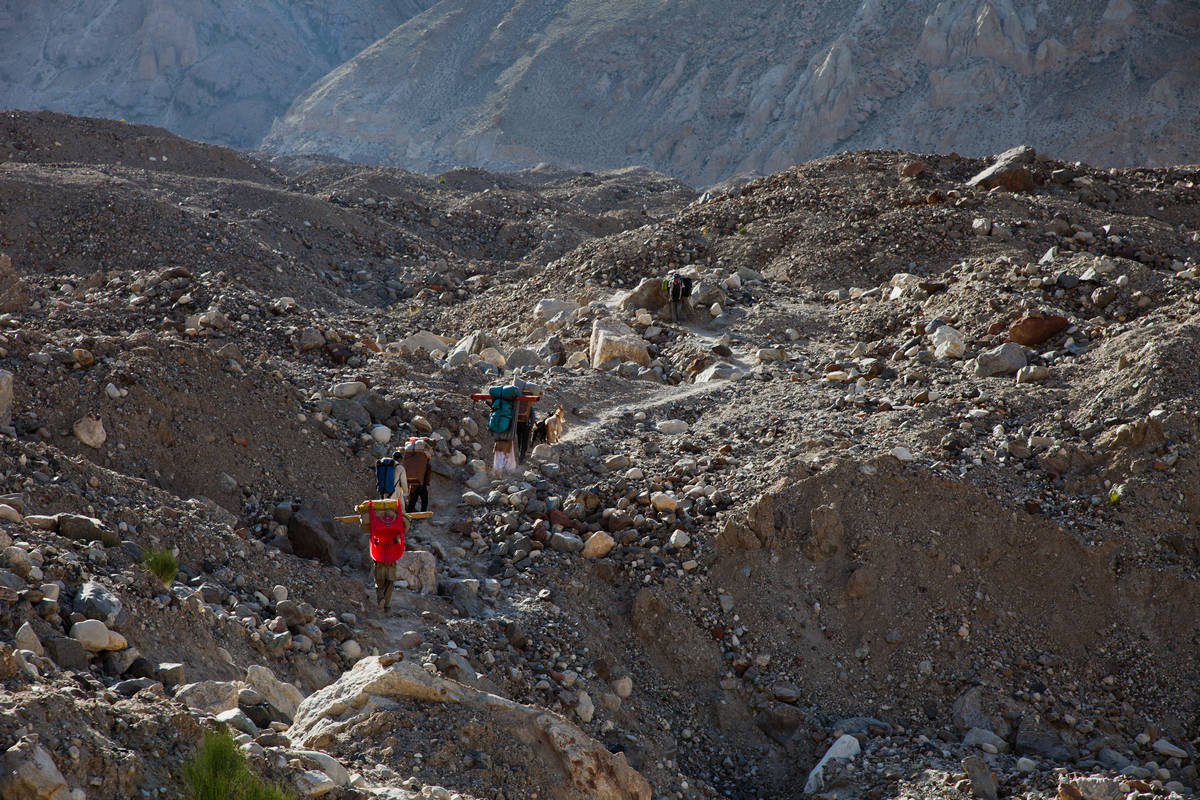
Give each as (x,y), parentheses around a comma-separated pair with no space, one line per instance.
(612,339)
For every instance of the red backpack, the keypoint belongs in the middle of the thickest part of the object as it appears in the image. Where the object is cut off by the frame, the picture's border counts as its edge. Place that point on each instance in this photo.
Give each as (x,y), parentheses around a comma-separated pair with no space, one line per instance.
(386,534)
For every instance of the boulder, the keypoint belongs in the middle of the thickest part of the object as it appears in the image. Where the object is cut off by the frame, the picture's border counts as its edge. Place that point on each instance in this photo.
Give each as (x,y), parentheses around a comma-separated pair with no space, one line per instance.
(524,357)
(379,407)
(598,545)
(1095,788)
(649,294)
(980,736)
(418,569)
(328,764)
(283,696)
(92,634)
(310,339)
(548,308)
(663,502)
(583,768)
(311,532)
(1003,360)
(6,398)
(68,653)
(472,344)
(85,529)
(1033,373)
(27,639)
(1032,330)
(1011,171)
(983,784)
(494,357)
(351,412)
(13,296)
(948,342)
(209,697)
(612,339)
(237,719)
(28,772)
(422,341)
(846,748)
(671,427)
(721,371)
(95,601)
(90,431)
(705,294)
(347,389)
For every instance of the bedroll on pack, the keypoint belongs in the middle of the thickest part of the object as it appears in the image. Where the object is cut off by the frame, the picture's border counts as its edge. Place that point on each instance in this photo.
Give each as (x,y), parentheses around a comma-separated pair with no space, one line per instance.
(385,476)
(502,407)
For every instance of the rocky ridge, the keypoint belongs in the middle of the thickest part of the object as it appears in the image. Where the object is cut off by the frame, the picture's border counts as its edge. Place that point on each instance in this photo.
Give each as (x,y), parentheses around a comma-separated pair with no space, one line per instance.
(912,487)
(220,72)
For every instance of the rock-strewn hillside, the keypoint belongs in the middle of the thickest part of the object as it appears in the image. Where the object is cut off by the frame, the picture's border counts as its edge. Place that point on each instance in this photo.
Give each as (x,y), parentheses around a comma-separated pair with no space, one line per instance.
(702,92)
(210,70)
(914,481)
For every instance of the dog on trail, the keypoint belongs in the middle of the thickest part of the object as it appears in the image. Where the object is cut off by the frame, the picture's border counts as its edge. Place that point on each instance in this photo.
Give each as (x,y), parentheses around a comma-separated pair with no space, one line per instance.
(550,429)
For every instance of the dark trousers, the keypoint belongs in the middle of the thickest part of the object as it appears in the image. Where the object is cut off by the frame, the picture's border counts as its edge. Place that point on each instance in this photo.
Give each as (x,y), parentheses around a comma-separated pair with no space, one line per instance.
(524,435)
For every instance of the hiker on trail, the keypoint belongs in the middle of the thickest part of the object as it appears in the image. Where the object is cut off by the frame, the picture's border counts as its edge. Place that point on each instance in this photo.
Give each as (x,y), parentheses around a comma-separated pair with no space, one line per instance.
(526,420)
(385,527)
(417,469)
(510,432)
(390,482)
(677,288)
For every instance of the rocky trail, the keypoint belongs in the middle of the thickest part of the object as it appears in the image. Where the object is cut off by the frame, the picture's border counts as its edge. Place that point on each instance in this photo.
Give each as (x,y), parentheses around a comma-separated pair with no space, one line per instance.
(914,486)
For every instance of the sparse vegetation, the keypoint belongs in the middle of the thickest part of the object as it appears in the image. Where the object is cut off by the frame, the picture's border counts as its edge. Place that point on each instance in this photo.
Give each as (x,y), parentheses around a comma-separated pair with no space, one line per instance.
(162,563)
(218,771)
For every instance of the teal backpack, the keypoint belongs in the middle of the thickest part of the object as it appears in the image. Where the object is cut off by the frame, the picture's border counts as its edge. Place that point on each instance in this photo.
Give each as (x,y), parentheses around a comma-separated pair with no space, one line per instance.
(502,407)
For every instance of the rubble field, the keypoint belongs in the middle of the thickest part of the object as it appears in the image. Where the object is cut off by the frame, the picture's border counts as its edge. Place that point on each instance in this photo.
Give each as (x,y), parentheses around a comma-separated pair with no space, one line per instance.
(906,505)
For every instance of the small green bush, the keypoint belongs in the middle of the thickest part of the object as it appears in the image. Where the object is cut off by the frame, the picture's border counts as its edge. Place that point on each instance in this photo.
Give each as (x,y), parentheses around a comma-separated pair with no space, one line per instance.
(162,563)
(218,771)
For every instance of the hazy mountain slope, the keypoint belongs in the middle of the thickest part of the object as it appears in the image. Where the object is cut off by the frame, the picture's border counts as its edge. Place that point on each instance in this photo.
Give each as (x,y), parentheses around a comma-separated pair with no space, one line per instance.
(703,92)
(217,70)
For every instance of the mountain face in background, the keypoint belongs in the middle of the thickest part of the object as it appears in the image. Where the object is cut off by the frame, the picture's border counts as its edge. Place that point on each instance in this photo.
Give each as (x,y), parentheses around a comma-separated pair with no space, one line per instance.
(216,70)
(700,89)
(706,89)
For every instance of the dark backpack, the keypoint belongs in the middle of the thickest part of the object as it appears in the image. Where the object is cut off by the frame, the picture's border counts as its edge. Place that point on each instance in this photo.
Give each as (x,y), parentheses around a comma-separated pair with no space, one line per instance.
(686,290)
(502,408)
(385,477)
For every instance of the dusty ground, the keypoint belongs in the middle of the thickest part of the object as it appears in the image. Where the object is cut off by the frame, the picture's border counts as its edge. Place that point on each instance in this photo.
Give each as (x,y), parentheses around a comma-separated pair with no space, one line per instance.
(854,535)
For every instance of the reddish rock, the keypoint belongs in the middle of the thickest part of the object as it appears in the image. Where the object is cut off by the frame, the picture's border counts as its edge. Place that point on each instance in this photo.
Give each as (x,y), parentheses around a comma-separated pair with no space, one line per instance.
(618,521)
(463,526)
(561,519)
(1030,330)
(913,168)
(996,327)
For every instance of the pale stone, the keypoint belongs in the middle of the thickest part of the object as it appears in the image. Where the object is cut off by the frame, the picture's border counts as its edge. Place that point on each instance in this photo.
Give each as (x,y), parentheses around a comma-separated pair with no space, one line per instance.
(672,427)
(347,389)
(663,501)
(92,634)
(598,545)
(846,748)
(90,431)
(612,339)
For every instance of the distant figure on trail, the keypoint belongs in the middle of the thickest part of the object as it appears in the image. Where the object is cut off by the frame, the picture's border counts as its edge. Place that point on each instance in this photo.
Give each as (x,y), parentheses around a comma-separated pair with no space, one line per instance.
(677,288)
(511,422)
(418,470)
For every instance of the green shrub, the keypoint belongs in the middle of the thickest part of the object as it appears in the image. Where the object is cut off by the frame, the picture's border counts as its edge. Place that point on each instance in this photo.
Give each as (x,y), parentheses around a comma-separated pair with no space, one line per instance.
(162,563)
(218,771)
